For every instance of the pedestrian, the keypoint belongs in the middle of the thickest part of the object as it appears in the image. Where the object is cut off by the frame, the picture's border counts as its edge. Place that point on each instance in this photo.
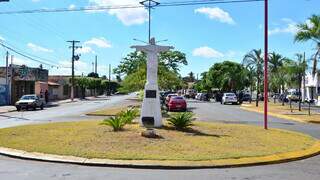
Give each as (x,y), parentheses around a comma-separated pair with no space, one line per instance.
(46,96)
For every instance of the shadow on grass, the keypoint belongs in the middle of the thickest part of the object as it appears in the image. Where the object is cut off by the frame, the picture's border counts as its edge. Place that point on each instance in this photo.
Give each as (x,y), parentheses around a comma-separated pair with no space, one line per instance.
(193,132)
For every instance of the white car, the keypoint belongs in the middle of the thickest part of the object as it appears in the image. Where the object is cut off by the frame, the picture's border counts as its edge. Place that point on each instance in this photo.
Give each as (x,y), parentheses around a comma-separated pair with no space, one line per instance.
(229,98)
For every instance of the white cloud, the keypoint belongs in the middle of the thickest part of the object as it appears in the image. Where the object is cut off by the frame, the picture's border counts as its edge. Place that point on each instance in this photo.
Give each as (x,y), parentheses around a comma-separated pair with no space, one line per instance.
(289,27)
(20,61)
(99,42)
(85,50)
(37,48)
(72,7)
(130,16)
(65,68)
(216,14)
(207,52)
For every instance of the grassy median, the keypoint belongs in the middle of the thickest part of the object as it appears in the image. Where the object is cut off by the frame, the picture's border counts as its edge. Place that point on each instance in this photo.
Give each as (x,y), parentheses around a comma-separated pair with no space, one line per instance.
(277,110)
(206,141)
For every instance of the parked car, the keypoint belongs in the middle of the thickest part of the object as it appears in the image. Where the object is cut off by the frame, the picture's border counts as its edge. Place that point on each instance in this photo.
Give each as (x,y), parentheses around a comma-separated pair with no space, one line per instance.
(246,98)
(191,93)
(30,101)
(293,95)
(197,97)
(283,97)
(229,98)
(177,103)
(168,97)
(203,97)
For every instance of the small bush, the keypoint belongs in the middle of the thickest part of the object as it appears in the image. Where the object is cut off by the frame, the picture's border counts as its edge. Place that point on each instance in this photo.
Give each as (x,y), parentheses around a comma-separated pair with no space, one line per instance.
(181,121)
(117,123)
(129,115)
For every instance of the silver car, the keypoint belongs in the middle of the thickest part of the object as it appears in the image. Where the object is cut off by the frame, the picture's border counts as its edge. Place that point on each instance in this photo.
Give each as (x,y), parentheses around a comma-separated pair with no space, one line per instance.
(30,101)
(229,98)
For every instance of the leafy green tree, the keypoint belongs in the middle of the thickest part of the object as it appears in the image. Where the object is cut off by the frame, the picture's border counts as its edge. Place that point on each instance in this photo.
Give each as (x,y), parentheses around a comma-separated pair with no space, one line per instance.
(83,83)
(310,31)
(173,59)
(227,76)
(134,67)
(275,63)
(255,61)
(296,70)
(93,75)
(131,63)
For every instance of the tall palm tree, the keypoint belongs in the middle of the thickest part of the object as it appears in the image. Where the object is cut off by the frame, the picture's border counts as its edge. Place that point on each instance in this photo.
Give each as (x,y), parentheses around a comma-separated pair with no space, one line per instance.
(310,31)
(275,62)
(254,60)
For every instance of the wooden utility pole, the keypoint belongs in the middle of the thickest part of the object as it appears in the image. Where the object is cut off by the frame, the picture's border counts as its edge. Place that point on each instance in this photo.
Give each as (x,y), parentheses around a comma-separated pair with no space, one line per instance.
(73,58)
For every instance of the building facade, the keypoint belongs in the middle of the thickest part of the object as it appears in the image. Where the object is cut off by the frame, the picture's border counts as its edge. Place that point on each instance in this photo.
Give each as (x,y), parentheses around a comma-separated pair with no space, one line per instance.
(23,80)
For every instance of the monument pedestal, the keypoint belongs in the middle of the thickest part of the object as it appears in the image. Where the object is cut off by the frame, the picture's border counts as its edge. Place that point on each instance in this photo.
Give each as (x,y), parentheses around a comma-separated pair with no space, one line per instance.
(151,107)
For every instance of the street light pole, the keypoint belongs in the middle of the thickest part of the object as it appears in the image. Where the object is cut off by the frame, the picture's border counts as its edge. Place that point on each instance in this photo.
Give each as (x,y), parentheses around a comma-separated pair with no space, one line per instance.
(149,4)
(266,64)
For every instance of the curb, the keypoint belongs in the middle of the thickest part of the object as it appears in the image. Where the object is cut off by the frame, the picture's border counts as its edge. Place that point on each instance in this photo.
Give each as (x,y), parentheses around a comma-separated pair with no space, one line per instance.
(279,116)
(223,163)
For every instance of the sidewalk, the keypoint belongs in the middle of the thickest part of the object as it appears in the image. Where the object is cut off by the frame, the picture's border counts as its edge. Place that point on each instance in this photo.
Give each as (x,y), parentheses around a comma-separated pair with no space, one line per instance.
(6,109)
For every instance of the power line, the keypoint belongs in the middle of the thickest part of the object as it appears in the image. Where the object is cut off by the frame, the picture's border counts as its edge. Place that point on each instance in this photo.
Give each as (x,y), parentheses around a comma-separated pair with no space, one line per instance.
(102,8)
(27,56)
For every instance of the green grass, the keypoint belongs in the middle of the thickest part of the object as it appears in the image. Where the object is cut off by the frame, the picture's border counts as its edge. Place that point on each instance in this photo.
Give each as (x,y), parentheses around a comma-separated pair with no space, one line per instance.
(206,141)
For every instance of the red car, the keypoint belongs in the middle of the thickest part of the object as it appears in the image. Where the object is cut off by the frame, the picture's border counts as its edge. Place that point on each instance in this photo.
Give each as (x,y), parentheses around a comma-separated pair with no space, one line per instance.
(177,103)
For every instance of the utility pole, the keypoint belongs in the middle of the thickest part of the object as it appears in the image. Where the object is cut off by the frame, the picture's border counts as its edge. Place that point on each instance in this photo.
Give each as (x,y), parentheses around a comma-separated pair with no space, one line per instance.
(7,76)
(7,68)
(73,58)
(109,86)
(96,65)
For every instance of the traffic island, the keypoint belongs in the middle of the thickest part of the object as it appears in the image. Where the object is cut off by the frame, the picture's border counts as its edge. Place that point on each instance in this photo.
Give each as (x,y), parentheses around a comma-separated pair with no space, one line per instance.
(204,145)
(285,112)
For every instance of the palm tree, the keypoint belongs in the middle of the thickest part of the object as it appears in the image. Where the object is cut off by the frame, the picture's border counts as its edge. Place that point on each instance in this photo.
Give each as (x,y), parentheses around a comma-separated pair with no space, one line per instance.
(310,31)
(275,63)
(296,71)
(254,60)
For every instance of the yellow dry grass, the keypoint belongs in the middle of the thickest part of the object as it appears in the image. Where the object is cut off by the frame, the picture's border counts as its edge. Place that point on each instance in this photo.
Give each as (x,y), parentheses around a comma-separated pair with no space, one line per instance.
(284,112)
(206,141)
(112,111)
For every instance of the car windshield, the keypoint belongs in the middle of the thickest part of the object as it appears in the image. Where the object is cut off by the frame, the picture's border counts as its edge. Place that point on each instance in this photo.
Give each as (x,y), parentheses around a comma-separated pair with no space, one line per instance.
(177,97)
(230,95)
(28,98)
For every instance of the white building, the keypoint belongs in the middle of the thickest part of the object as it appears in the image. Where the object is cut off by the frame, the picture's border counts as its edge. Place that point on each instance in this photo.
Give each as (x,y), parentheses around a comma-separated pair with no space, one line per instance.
(310,88)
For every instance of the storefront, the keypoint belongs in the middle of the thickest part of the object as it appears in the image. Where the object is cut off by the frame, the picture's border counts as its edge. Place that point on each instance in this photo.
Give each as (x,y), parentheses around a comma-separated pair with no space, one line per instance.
(23,80)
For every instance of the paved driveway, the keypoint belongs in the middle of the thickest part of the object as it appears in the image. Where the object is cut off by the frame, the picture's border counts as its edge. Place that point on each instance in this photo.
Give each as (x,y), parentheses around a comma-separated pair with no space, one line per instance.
(305,169)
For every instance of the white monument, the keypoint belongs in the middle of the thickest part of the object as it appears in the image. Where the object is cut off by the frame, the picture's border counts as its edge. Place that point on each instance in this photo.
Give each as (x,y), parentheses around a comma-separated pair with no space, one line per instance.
(151,108)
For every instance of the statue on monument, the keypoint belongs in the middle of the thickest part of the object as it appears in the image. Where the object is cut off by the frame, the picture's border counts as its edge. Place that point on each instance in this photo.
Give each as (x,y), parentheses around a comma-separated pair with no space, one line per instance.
(151,107)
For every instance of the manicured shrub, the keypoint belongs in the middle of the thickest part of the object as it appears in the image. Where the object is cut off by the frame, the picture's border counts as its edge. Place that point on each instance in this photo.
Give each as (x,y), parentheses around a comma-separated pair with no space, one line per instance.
(117,123)
(181,121)
(129,115)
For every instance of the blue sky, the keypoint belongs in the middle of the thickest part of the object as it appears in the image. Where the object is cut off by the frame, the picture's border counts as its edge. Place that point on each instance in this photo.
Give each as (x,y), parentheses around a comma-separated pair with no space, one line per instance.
(206,33)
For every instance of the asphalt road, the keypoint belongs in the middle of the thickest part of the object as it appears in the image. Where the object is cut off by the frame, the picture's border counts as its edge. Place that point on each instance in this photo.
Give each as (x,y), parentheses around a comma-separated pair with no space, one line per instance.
(305,169)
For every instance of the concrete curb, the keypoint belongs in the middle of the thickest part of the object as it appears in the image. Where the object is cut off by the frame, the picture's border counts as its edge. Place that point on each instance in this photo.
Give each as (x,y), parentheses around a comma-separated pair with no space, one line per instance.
(223,163)
(279,115)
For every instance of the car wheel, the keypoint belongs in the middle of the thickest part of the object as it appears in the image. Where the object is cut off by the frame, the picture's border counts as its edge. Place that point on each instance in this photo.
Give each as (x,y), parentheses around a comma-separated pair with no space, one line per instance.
(18,108)
(34,107)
